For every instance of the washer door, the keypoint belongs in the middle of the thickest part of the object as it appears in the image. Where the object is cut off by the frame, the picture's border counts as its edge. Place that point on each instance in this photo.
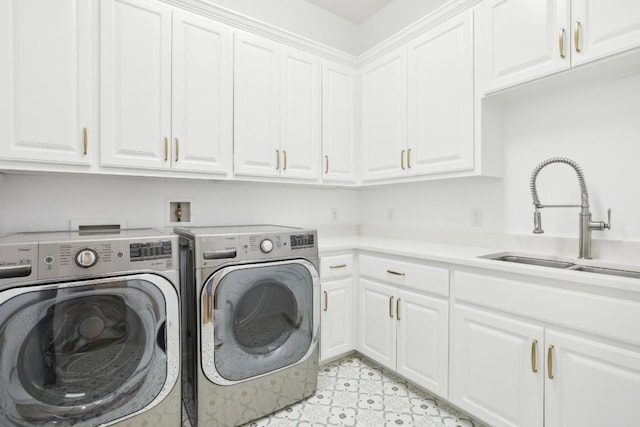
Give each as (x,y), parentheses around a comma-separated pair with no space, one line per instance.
(87,353)
(263,319)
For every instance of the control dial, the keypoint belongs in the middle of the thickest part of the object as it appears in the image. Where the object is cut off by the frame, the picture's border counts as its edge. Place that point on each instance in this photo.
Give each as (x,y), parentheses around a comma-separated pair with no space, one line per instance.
(86,258)
(266,246)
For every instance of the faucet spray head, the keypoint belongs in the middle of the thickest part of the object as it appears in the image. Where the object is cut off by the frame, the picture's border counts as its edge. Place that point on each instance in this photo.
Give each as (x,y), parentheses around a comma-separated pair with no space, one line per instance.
(537,222)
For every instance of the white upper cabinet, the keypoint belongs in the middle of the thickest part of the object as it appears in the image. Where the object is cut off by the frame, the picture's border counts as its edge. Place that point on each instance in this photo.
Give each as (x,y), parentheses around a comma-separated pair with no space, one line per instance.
(47,80)
(603,27)
(338,123)
(277,110)
(166,90)
(519,40)
(441,98)
(202,95)
(256,106)
(384,116)
(301,114)
(135,95)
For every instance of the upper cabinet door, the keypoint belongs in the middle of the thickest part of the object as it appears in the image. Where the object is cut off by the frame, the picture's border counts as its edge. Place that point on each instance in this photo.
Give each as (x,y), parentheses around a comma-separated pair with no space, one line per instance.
(338,123)
(603,27)
(202,95)
(519,40)
(257,106)
(46,80)
(384,116)
(441,98)
(135,84)
(301,119)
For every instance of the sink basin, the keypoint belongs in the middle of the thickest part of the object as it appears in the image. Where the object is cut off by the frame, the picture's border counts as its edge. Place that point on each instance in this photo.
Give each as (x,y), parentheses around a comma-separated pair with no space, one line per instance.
(609,271)
(554,262)
(542,262)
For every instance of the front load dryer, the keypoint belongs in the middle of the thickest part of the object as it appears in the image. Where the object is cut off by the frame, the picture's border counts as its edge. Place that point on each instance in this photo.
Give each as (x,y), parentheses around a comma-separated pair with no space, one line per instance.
(89,329)
(251,311)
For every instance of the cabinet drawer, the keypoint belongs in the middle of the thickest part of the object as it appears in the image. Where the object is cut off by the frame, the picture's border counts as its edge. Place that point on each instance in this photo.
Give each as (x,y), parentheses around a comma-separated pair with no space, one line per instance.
(334,266)
(606,316)
(417,276)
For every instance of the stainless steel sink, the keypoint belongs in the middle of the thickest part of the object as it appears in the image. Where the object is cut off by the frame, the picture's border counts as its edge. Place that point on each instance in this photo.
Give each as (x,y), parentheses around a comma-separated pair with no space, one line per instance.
(554,262)
(532,261)
(606,270)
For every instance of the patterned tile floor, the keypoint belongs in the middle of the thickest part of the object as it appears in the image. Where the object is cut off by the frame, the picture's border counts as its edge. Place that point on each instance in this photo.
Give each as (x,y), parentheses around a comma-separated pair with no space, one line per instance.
(353,391)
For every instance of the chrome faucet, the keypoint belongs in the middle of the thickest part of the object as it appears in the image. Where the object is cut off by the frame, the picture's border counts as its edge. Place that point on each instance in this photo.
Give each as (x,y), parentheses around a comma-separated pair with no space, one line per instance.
(586,225)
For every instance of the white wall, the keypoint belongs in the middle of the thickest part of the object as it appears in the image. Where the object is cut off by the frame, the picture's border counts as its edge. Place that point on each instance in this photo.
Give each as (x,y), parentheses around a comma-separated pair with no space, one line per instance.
(596,124)
(50,202)
(299,17)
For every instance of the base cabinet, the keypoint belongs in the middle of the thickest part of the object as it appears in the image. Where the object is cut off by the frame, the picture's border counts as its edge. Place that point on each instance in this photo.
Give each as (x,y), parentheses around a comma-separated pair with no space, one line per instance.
(336,336)
(496,371)
(406,332)
(590,383)
(513,372)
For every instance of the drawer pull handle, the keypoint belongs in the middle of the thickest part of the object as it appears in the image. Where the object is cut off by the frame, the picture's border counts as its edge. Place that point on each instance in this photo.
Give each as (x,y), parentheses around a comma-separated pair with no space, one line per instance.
(534,356)
(326,301)
(550,362)
(333,267)
(391,307)
(395,273)
(398,309)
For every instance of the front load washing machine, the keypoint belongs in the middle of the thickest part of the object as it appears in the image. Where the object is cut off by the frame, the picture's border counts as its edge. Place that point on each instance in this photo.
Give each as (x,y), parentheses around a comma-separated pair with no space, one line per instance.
(89,329)
(252,315)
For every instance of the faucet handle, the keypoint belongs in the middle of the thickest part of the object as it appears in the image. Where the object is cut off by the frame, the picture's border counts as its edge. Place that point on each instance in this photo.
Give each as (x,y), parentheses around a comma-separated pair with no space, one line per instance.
(608,223)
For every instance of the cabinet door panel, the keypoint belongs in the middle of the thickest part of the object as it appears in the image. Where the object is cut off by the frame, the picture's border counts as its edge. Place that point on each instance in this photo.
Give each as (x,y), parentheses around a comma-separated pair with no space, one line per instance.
(593,384)
(339,123)
(46,75)
(378,323)
(491,373)
(337,321)
(301,130)
(256,106)
(518,40)
(607,27)
(422,342)
(202,95)
(135,83)
(441,98)
(384,116)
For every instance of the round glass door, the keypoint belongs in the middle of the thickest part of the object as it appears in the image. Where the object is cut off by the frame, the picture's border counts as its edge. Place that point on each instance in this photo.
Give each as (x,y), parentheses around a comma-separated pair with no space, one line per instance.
(262,321)
(81,354)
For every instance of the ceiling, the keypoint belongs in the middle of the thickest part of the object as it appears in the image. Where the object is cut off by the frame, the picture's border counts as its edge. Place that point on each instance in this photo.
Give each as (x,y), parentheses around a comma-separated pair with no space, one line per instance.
(355,11)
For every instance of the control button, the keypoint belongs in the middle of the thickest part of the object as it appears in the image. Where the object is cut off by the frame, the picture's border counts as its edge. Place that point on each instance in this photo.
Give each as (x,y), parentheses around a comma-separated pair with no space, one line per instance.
(49,260)
(119,254)
(266,246)
(86,258)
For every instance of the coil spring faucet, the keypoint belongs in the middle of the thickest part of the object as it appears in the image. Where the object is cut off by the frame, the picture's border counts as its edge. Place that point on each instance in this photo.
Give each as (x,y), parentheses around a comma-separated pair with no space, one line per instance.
(586,225)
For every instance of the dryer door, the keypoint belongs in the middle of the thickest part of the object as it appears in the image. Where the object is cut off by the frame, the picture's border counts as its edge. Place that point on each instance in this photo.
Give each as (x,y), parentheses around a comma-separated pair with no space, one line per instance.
(87,353)
(263,319)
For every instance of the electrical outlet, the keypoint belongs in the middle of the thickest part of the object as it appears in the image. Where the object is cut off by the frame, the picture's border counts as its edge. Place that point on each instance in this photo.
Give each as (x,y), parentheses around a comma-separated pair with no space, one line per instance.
(334,214)
(476,217)
(391,214)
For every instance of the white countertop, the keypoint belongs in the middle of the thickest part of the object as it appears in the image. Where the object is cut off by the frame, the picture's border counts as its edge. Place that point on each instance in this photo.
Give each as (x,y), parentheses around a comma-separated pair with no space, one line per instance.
(464,255)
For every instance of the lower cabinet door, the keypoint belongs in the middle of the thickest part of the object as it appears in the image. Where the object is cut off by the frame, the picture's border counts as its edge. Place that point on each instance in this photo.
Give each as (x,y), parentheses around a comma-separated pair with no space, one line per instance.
(336,319)
(378,323)
(590,383)
(497,368)
(422,341)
